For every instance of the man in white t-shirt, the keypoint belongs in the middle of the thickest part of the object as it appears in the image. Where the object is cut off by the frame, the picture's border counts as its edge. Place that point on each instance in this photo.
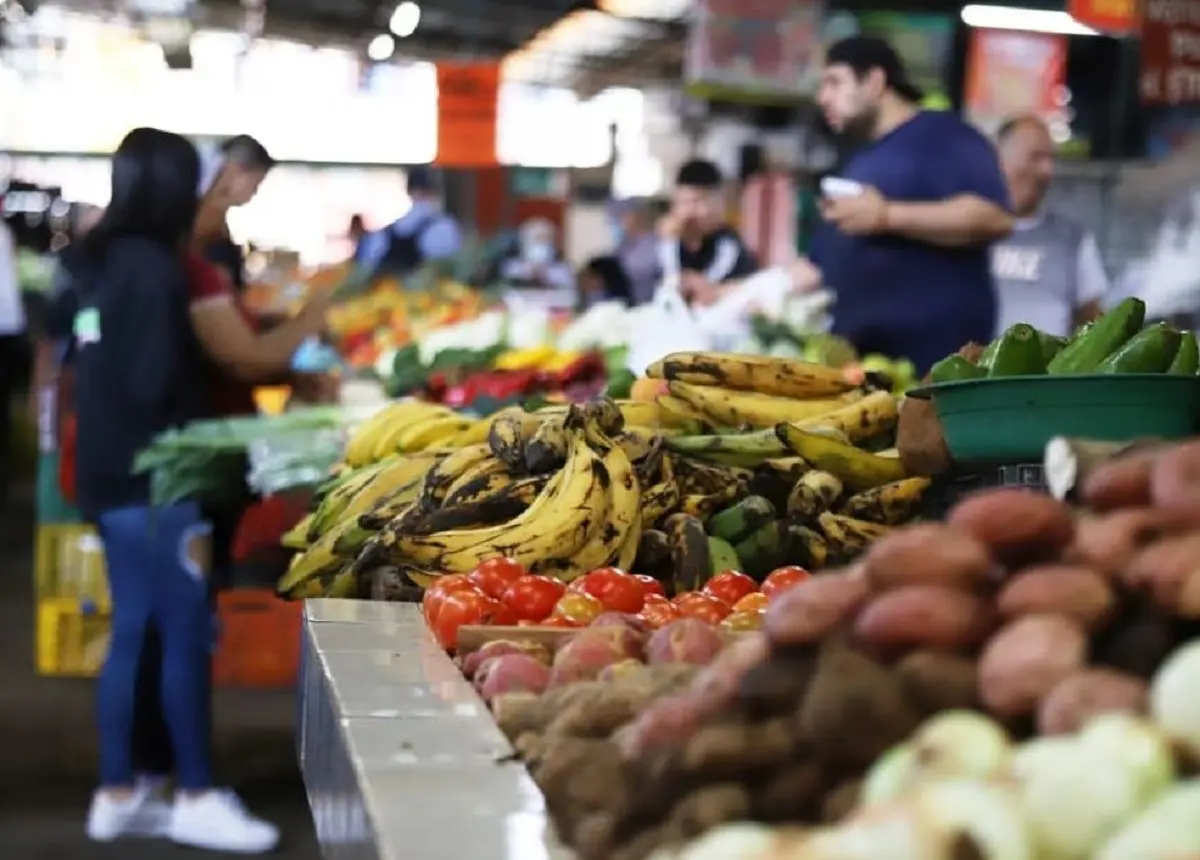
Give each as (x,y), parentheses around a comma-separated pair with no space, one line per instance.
(1048,273)
(12,330)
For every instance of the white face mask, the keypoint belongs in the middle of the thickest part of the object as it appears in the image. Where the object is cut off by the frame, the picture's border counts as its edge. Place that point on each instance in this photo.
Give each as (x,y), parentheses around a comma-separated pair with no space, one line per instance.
(538,253)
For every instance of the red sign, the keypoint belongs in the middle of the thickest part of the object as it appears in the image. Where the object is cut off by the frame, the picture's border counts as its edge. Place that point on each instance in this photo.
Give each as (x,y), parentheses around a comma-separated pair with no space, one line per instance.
(1108,16)
(467,104)
(1170,52)
(1010,72)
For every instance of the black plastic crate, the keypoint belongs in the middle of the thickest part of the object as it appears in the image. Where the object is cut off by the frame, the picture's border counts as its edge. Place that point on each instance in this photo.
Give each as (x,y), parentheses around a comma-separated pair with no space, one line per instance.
(947,490)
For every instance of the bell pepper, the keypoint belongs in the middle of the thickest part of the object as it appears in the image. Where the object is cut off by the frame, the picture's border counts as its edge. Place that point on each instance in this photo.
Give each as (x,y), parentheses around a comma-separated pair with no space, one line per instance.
(588,366)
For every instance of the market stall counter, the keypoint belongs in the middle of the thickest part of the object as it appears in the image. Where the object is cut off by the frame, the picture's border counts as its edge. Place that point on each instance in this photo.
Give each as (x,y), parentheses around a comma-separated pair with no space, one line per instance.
(400,757)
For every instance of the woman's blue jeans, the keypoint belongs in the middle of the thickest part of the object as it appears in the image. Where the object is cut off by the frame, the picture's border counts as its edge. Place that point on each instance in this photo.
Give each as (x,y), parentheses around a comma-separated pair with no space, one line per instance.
(158,561)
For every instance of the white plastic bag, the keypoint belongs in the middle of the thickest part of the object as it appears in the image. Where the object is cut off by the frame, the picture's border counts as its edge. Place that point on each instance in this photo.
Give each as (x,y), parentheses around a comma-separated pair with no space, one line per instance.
(1170,282)
(671,326)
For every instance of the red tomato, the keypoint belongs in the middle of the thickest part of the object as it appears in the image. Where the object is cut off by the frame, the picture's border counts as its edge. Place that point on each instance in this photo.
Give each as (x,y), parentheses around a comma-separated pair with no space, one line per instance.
(756,602)
(533,597)
(495,575)
(559,621)
(703,607)
(466,607)
(650,585)
(740,622)
(659,614)
(730,586)
(580,609)
(782,579)
(654,599)
(617,590)
(436,593)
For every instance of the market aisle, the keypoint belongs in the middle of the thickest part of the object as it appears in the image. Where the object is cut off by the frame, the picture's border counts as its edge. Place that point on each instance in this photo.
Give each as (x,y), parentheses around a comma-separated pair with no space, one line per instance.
(47,745)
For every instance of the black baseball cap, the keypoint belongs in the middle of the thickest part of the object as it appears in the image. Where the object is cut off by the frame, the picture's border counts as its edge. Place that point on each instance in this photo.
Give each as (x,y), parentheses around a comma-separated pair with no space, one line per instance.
(423,178)
(863,53)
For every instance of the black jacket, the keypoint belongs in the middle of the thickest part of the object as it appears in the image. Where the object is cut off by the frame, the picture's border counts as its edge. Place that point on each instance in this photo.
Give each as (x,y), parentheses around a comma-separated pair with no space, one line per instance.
(137,363)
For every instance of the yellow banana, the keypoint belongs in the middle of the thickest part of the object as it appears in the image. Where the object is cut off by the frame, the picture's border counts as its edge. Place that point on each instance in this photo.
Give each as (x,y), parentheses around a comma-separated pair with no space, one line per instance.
(361,446)
(442,476)
(889,504)
(704,505)
(487,478)
(547,447)
(782,377)
(637,443)
(858,470)
(400,423)
(871,416)
(508,433)
(814,492)
(297,536)
(848,536)
(399,473)
(554,524)
(316,561)
(334,503)
(344,584)
(725,407)
(476,434)
(679,411)
(436,431)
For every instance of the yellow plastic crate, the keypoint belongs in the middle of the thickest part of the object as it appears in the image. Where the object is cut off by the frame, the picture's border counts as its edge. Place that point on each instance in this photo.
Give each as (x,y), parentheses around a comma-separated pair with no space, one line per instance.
(72,639)
(70,565)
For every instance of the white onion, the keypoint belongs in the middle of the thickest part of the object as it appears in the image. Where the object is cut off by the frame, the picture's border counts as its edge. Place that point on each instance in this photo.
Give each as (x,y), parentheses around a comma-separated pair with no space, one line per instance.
(739,841)
(961,744)
(1175,698)
(987,813)
(891,777)
(886,832)
(1169,829)
(1139,744)
(1074,798)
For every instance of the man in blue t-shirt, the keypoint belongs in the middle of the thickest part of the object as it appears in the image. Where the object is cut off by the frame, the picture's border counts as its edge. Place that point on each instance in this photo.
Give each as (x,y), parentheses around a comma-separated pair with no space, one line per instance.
(907,255)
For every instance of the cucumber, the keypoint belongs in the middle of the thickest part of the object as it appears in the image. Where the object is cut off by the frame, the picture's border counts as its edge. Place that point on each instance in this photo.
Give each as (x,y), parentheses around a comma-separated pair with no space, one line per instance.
(988,355)
(1187,357)
(1019,353)
(1092,345)
(1150,351)
(1052,345)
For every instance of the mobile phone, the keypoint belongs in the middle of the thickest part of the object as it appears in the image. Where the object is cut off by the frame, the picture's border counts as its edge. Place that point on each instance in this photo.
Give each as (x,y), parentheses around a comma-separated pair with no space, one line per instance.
(835,186)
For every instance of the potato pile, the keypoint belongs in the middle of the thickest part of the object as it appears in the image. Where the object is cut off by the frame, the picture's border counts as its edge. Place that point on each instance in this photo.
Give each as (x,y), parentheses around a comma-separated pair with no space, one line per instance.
(1019,605)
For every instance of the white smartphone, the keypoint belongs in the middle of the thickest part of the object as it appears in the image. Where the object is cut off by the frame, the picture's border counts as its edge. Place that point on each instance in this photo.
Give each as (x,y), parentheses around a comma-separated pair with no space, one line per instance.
(835,186)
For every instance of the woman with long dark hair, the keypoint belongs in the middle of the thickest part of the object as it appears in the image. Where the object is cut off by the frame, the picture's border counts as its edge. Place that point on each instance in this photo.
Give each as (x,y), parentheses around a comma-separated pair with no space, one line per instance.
(139,371)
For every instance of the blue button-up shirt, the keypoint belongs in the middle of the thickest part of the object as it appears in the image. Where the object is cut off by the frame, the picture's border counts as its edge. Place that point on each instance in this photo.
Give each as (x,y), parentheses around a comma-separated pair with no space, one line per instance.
(440,240)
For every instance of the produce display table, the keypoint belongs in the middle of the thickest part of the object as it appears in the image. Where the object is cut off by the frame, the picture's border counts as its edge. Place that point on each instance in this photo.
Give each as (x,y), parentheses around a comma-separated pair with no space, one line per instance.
(399,755)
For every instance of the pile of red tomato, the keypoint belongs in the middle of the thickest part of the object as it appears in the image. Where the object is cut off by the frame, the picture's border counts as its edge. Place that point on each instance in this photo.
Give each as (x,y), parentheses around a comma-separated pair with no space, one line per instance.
(502,592)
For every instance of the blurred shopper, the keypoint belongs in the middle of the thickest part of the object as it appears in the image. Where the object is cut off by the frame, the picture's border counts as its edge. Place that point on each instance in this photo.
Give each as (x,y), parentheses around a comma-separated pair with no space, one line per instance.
(907,255)
(703,252)
(422,234)
(537,261)
(604,279)
(139,372)
(1048,272)
(357,233)
(229,179)
(636,249)
(12,349)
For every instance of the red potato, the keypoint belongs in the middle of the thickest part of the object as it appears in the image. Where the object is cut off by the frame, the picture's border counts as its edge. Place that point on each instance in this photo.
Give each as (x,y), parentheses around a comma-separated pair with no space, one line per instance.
(718,683)
(587,654)
(929,554)
(1169,571)
(1026,660)
(1109,542)
(498,648)
(1122,483)
(667,720)
(1175,481)
(511,673)
(1087,693)
(617,671)
(621,619)
(808,612)
(688,640)
(1059,589)
(924,616)
(1018,526)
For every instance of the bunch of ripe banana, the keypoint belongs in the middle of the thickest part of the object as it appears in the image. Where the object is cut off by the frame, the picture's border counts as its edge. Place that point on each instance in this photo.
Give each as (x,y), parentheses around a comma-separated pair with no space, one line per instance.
(812,450)
(563,490)
(408,426)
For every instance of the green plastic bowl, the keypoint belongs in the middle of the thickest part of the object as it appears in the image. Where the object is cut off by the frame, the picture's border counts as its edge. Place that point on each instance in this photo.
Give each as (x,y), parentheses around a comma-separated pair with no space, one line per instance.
(1011,418)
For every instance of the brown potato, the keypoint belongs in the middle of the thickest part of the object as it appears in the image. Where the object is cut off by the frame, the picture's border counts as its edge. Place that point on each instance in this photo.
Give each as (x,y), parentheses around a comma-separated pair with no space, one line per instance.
(938,682)
(1108,542)
(1059,589)
(1170,572)
(1026,660)
(706,808)
(1016,525)
(1123,483)
(929,554)
(924,616)
(807,613)
(1077,698)
(1175,481)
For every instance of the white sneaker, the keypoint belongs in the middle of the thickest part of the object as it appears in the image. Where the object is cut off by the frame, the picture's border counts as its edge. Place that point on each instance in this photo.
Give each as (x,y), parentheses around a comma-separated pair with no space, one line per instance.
(217,821)
(143,814)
